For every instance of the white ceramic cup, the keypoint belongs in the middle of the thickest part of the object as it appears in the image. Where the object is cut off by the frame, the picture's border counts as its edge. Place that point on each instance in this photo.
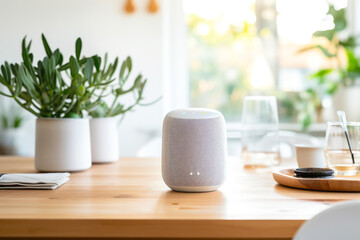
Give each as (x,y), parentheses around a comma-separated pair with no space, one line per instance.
(310,156)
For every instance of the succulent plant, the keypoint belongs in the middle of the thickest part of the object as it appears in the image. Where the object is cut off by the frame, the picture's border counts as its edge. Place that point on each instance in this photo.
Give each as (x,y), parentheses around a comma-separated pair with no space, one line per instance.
(53,89)
(100,108)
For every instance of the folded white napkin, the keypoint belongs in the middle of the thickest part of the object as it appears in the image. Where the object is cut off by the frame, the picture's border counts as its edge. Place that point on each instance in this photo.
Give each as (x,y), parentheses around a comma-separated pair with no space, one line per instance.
(33,180)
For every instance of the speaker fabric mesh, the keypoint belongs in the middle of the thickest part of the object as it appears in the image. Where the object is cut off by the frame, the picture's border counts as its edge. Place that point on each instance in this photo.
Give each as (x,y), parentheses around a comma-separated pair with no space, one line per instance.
(194,149)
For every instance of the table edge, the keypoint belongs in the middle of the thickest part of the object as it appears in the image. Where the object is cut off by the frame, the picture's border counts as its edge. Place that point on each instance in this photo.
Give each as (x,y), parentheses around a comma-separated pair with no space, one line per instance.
(151,228)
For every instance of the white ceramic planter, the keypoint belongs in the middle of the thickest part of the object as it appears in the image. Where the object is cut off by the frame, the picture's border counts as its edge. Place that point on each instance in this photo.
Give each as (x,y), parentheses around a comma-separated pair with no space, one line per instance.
(104,139)
(62,145)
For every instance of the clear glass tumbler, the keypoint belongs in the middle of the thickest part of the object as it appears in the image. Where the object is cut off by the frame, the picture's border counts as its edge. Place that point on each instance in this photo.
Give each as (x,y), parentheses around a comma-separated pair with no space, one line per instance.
(337,153)
(259,138)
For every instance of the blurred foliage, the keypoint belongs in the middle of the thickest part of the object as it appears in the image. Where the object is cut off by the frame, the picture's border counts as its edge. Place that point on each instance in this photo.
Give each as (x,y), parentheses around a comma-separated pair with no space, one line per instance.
(220,85)
(344,66)
(11,116)
(213,83)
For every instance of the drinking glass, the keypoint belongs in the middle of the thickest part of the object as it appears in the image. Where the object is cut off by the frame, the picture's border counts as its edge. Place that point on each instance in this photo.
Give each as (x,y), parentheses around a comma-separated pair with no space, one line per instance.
(337,153)
(259,138)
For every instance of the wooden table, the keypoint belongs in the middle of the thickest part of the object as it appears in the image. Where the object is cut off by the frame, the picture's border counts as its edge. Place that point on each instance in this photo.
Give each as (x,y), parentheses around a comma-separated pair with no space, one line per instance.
(128,199)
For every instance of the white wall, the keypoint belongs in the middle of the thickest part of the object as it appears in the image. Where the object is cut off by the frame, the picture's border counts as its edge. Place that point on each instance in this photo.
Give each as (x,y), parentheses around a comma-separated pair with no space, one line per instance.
(103,27)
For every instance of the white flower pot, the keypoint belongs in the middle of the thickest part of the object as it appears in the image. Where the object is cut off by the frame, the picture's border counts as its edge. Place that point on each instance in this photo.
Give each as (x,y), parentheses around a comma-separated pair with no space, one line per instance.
(104,139)
(347,99)
(62,145)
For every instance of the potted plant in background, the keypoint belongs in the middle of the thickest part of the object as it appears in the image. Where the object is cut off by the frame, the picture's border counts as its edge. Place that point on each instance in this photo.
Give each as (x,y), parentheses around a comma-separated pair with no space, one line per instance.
(100,98)
(61,102)
(103,125)
(11,122)
(62,135)
(341,79)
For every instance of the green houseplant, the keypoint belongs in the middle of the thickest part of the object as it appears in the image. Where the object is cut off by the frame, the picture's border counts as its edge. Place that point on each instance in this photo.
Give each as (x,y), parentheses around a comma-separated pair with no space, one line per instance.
(40,88)
(105,106)
(62,136)
(341,79)
(61,93)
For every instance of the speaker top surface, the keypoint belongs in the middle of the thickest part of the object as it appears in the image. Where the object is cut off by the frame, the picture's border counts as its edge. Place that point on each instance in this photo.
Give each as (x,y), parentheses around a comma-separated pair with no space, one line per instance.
(194,113)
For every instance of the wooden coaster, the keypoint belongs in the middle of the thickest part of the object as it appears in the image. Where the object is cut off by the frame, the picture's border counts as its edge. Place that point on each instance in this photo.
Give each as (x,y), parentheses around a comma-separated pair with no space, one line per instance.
(286,177)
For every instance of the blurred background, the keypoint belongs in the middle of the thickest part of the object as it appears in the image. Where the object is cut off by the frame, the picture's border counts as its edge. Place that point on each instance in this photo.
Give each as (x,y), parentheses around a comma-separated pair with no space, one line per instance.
(199,53)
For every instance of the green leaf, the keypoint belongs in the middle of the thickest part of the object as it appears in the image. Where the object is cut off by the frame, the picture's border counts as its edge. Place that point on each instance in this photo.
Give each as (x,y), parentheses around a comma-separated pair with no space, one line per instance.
(306,120)
(129,63)
(18,121)
(119,109)
(5,77)
(74,66)
(60,59)
(142,86)
(100,111)
(88,71)
(45,97)
(52,65)
(331,88)
(329,34)
(27,81)
(137,81)
(105,61)
(72,115)
(41,72)
(353,63)
(112,68)
(97,62)
(3,81)
(14,68)
(339,18)
(28,46)
(125,67)
(18,86)
(60,104)
(4,122)
(78,46)
(57,56)
(25,96)
(321,73)
(350,42)
(93,106)
(26,59)
(46,45)
(81,90)
(6,71)
(31,57)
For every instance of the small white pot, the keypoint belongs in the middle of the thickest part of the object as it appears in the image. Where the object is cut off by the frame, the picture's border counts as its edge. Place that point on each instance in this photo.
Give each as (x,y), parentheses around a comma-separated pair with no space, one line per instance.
(104,139)
(62,144)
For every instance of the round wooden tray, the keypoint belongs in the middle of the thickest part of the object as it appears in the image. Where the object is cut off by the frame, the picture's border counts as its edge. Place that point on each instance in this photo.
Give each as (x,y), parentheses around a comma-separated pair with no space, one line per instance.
(286,177)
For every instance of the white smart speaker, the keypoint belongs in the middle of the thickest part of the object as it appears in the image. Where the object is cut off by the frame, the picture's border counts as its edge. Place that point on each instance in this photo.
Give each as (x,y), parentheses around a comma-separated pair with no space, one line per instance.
(194,150)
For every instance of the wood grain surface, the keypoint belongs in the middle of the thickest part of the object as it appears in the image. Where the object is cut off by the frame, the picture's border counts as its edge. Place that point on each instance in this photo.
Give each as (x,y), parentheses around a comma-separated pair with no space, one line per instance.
(128,199)
(336,184)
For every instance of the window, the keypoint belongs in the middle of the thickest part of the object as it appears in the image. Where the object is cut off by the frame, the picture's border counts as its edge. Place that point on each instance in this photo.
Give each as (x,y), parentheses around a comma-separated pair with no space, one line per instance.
(251,47)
